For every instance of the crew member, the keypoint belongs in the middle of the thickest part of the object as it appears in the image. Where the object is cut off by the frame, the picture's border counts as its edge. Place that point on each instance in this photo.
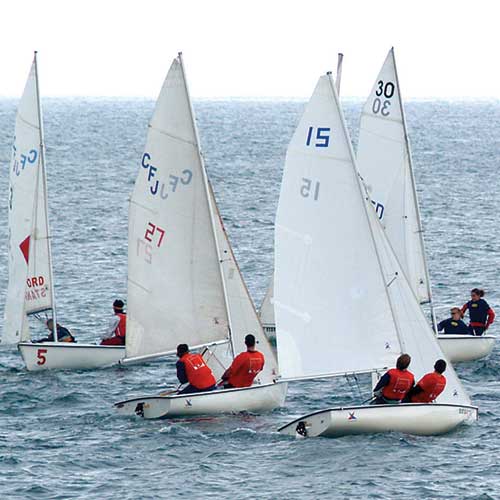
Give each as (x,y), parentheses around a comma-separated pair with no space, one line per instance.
(481,315)
(454,325)
(192,369)
(430,386)
(115,334)
(63,334)
(395,383)
(244,367)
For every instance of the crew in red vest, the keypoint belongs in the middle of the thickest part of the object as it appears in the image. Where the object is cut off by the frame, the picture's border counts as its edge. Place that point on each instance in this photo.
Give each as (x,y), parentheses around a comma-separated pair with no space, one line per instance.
(115,334)
(430,386)
(192,370)
(395,383)
(244,367)
(481,315)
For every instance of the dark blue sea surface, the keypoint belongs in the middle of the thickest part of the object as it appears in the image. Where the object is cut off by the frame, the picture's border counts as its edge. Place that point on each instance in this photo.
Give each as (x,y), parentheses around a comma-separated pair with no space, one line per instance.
(59,435)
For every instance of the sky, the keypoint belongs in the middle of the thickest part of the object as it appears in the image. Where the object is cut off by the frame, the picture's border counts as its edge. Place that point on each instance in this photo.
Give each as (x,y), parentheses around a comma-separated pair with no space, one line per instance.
(250,48)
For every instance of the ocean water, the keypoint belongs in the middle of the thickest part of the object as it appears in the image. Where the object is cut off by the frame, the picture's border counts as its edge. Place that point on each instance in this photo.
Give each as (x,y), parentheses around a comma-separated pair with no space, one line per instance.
(59,435)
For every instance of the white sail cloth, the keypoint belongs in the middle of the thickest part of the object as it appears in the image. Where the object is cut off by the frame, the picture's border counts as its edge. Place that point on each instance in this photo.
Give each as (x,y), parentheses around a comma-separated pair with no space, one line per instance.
(384,161)
(30,284)
(342,301)
(175,292)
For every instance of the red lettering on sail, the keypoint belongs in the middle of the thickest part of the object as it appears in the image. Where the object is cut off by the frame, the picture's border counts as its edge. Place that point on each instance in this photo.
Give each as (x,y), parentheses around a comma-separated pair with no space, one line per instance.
(25,248)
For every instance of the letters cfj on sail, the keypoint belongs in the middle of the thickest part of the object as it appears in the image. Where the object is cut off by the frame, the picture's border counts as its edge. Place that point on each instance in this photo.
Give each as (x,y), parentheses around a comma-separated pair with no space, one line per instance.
(175,290)
(354,310)
(30,276)
(384,161)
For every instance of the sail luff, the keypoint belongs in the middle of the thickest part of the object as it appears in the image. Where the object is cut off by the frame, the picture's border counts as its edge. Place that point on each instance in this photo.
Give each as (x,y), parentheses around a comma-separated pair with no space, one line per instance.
(210,199)
(415,197)
(45,191)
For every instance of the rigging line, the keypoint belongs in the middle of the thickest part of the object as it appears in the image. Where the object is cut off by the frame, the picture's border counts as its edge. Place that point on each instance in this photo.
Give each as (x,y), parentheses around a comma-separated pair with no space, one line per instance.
(212,355)
(357,385)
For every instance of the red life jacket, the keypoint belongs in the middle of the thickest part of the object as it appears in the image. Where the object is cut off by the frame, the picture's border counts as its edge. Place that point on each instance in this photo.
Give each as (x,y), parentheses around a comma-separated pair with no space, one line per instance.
(198,373)
(433,385)
(401,381)
(245,368)
(121,329)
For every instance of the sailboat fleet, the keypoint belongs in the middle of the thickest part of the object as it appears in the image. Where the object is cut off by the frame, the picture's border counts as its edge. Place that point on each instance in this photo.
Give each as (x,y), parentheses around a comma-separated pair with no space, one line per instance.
(184,284)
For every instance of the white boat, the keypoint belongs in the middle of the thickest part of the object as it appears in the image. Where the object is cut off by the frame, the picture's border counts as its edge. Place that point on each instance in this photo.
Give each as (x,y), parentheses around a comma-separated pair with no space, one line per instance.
(266,311)
(184,285)
(30,293)
(385,163)
(343,303)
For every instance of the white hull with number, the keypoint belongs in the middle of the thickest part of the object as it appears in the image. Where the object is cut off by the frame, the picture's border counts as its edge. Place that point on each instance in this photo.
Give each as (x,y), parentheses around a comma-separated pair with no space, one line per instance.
(459,348)
(69,356)
(255,399)
(417,419)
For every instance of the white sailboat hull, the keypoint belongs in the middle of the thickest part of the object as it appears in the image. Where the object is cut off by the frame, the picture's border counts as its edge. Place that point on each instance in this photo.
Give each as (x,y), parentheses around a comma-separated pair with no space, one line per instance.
(466,347)
(69,356)
(255,399)
(417,419)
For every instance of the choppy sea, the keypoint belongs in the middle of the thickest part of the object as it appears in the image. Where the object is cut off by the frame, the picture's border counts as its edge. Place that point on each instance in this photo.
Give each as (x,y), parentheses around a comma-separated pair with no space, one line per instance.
(59,435)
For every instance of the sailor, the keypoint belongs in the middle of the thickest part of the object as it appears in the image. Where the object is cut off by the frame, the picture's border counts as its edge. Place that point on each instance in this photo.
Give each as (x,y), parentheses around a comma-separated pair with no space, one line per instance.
(454,325)
(192,369)
(395,383)
(115,334)
(481,315)
(63,334)
(244,367)
(430,386)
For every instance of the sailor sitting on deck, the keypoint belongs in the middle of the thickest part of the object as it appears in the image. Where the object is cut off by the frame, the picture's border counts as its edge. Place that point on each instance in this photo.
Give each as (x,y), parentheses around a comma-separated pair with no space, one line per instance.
(395,383)
(454,325)
(430,386)
(244,367)
(481,315)
(63,334)
(115,334)
(193,369)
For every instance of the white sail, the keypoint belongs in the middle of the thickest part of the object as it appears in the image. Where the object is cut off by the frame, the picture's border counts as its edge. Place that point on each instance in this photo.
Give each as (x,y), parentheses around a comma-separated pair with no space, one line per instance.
(332,309)
(266,311)
(175,291)
(244,319)
(29,287)
(384,161)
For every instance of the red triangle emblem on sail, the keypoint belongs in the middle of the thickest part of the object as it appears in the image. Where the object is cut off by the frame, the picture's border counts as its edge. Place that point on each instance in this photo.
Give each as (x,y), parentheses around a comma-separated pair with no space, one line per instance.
(25,248)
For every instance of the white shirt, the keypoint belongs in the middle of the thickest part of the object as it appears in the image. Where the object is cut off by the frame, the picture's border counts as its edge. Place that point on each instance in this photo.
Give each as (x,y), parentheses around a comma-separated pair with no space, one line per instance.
(110,331)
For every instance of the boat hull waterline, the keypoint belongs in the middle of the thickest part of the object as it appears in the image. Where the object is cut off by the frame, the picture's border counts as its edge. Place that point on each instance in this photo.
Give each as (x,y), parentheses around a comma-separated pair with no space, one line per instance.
(458,348)
(255,399)
(418,419)
(69,355)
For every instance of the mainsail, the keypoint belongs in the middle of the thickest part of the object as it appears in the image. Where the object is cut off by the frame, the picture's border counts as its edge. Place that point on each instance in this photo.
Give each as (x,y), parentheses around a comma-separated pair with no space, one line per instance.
(384,161)
(30,273)
(175,289)
(343,303)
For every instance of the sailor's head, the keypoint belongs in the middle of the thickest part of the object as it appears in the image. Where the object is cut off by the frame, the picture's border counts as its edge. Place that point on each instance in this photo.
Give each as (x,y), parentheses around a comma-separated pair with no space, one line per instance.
(182,349)
(50,324)
(118,305)
(403,362)
(455,312)
(250,340)
(476,294)
(440,365)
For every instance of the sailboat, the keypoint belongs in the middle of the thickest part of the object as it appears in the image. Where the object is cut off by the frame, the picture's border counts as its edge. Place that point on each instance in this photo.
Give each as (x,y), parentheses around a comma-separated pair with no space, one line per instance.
(184,285)
(343,303)
(31,284)
(266,311)
(385,163)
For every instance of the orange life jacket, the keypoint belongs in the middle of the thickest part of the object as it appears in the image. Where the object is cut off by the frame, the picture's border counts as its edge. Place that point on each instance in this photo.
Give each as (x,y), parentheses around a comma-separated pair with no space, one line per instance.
(245,368)
(198,373)
(433,385)
(121,329)
(401,381)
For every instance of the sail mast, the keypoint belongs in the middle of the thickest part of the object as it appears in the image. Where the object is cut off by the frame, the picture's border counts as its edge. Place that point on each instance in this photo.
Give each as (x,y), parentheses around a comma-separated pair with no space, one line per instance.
(415,199)
(44,180)
(211,208)
(340,58)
